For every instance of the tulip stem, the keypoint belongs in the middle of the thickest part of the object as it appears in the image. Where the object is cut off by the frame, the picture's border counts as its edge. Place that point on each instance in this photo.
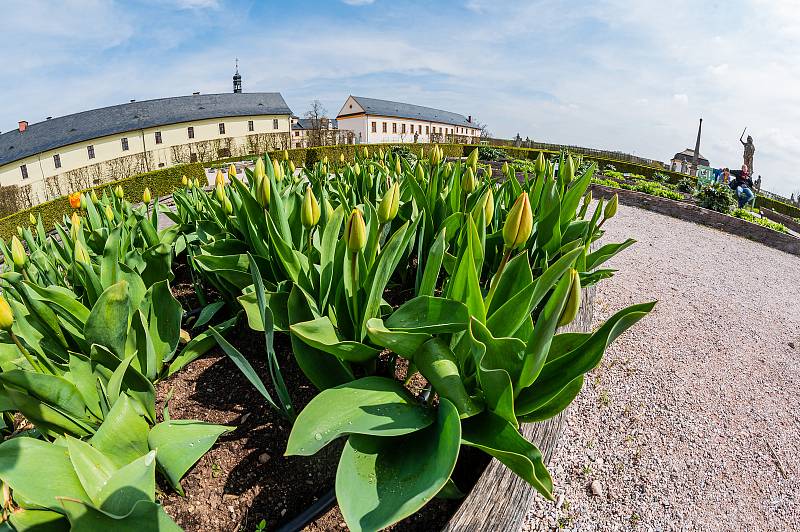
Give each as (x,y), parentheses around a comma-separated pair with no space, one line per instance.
(35,364)
(354,276)
(494,281)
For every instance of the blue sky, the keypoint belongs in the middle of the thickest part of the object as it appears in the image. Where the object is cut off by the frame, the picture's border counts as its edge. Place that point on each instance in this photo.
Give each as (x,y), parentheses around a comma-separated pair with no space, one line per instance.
(629,75)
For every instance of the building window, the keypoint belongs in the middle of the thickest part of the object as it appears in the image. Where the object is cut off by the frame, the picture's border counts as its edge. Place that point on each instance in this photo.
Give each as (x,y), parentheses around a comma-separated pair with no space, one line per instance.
(158,137)
(384,127)
(222,128)
(24,170)
(124,143)
(57,160)
(192,157)
(402,128)
(190,130)
(250,126)
(90,151)
(419,130)
(374,127)
(394,127)
(427,130)
(274,123)
(296,133)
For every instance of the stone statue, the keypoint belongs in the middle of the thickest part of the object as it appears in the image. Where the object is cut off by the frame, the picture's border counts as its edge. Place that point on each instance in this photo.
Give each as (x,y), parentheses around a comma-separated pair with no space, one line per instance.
(749,150)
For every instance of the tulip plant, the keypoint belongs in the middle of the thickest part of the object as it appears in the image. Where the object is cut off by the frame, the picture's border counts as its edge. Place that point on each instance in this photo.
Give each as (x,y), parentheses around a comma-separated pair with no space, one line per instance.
(491,269)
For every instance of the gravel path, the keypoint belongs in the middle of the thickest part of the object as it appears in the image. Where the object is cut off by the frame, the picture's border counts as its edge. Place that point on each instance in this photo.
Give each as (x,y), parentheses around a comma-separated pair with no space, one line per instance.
(692,422)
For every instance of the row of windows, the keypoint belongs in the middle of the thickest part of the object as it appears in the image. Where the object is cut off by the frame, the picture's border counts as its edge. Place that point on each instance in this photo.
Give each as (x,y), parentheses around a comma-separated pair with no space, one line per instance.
(384,127)
(125,146)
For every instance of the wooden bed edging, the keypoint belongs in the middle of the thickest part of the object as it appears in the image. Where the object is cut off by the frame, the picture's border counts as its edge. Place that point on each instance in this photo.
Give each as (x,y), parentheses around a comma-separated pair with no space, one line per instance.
(699,215)
(500,499)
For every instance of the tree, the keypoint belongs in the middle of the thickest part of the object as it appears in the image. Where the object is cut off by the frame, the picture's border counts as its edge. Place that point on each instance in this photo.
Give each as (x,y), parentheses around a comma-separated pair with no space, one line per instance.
(485,133)
(317,116)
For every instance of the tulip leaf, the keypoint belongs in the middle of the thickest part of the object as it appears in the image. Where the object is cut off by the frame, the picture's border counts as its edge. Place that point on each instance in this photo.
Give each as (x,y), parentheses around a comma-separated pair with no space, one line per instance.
(437,363)
(402,342)
(515,277)
(560,372)
(278,303)
(54,390)
(199,345)
(321,334)
(181,443)
(39,472)
(433,265)
(426,314)
(144,517)
(464,286)
(372,405)
(499,438)
(596,258)
(129,485)
(37,521)
(381,480)
(122,436)
(92,467)
(107,324)
(556,404)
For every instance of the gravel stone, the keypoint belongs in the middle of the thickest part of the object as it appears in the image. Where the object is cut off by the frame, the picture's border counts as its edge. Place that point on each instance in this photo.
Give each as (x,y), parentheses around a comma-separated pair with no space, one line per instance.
(694,411)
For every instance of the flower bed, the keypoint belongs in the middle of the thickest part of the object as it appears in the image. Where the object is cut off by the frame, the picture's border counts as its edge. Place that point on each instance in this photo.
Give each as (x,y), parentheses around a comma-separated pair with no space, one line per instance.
(381,327)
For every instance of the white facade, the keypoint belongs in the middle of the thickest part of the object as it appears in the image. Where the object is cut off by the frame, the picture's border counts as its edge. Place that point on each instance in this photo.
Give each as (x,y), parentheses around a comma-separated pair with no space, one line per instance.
(377,129)
(150,149)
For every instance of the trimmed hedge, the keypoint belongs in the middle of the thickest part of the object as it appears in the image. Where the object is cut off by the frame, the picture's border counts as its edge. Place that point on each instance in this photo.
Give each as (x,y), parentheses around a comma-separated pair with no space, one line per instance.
(777,206)
(161,183)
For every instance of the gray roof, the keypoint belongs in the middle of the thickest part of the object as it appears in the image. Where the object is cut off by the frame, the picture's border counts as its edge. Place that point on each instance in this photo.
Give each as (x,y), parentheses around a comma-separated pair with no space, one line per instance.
(688,155)
(308,123)
(96,123)
(373,106)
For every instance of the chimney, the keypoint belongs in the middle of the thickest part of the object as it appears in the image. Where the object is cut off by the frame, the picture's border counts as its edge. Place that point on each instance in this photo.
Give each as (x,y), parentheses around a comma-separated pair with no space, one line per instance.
(23,125)
(49,118)
(133,101)
(195,93)
(469,119)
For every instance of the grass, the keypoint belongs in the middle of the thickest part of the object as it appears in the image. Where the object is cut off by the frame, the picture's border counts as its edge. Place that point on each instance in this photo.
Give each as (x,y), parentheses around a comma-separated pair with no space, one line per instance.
(640,185)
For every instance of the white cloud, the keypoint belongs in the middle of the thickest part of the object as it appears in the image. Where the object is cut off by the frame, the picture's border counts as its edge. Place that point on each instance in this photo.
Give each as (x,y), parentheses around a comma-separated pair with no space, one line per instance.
(682,99)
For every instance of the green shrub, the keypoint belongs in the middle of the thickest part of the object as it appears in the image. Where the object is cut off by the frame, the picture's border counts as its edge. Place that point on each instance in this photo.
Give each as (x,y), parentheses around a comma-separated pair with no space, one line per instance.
(717,197)
(661,177)
(613,174)
(161,183)
(746,215)
(686,185)
(490,153)
(656,189)
(778,206)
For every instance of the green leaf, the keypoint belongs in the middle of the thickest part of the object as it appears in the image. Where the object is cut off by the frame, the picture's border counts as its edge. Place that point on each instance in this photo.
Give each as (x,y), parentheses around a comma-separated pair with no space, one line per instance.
(145,517)
(371,405)
(498,438)
(381,480)
(129,485)
(39,472)
(122,437)
(596,258)
(426,314)
(278,303)
(322,369)
(402,342)
(37,521)
(321,334)
(181,443)
(51,389)
(559,373)
(107,324)
(556,404)
(163,313)
(437,363)
(433,265)
(92,467)
(199,345)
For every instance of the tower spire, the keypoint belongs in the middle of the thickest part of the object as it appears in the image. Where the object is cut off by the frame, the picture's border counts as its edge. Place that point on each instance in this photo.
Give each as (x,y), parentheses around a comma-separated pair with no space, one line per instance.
(697,148)
(237,79)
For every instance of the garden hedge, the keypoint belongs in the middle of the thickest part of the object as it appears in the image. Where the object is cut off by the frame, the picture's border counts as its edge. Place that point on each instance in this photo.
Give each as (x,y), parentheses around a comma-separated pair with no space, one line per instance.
(777,206)
(161,183)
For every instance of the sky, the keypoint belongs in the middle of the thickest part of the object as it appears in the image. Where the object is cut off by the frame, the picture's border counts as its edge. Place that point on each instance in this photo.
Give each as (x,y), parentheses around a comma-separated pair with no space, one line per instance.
(627,75)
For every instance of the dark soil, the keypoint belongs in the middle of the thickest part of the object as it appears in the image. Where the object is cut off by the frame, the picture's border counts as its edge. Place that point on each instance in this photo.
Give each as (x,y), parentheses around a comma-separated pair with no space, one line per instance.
(245,478)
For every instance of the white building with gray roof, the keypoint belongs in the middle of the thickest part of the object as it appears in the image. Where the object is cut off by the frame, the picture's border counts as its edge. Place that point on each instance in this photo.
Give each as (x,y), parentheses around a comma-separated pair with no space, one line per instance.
(382,121)
(59,155)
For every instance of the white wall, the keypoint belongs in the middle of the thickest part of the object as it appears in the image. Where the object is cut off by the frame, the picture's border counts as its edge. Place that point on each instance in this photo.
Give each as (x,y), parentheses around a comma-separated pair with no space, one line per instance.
(395,130)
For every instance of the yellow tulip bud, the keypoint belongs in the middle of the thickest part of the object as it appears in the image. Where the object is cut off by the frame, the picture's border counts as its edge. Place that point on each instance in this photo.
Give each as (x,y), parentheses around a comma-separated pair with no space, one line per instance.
(228,206)
(398,168)
(380,153)
(341,158)
(390,203)
(260,171)
(365,152)
(231,171)
(184,181)
(505,168)
(6,315)
(146,197)
(263,193)
(539,166)
(197,182)
(32,219)
(119,192)
(573,299)
(519,223)
(291,167)
(419,173)
(219,192)
(486,205)
(468,181)
(219,179)
(569,169)
(328,209)
(325,160)
(472,159)
(75,225)
(93,195)
(309,214)
(83,202)
(357,169)
(20,231)
(277,170)
(80,254)
(587,199)
(285,155)
(109,214)
(355,232)
(611,207)
(18,255)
